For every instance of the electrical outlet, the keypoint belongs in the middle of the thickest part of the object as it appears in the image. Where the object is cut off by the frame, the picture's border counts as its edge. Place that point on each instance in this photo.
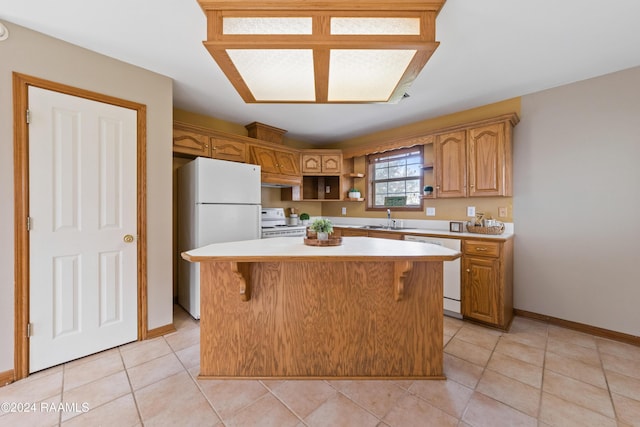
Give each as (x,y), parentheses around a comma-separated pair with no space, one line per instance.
(344,211)
(502,212)
(471,211)
(431,211)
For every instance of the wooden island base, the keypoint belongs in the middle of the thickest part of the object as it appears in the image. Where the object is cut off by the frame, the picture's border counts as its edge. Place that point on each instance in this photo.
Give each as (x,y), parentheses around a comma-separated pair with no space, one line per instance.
(321,319)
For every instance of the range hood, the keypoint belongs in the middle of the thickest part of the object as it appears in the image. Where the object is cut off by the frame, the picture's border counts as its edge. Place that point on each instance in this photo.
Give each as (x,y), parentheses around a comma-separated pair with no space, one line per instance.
(279,181)
(274,185)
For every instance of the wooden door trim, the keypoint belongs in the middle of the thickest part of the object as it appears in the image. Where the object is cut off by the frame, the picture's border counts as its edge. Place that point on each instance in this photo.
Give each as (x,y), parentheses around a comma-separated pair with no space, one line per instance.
(21,83)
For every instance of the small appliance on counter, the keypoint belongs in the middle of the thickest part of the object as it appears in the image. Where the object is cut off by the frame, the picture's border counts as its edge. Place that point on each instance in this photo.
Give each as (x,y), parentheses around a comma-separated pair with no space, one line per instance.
(274,224)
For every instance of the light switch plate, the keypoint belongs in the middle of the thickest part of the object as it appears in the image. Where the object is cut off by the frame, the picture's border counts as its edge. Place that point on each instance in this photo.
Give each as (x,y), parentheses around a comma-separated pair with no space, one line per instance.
(344,211)
(431,211)
(502,212)
(471,211)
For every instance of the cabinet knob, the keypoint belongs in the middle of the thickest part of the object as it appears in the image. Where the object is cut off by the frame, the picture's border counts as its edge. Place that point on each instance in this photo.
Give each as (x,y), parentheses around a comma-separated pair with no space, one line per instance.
(468,270)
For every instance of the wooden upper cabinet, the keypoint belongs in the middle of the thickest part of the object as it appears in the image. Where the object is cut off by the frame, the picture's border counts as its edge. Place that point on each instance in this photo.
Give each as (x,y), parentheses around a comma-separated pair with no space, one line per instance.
(451,164)
(191,143)
(288,163)
(311,163)
(275,161)
(266,158)
(228,150)
(314,164)
(487,161)
(475,161)
(331,163)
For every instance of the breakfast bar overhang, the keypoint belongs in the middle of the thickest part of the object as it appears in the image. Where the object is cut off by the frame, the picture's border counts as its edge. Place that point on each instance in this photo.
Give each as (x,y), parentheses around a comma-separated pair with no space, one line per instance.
(276,308)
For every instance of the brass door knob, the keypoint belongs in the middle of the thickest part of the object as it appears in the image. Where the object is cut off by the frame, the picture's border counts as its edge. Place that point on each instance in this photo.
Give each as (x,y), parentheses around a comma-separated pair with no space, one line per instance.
(128,238)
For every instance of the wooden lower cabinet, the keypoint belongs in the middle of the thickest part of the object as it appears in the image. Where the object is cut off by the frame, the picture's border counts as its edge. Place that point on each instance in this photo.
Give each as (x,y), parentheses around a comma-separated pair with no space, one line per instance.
(346,232)
(386,235)
(486,279)
(487,282)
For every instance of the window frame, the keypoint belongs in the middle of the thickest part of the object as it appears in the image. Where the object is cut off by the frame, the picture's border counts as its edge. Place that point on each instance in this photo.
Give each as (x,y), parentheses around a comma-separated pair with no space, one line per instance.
(372,159)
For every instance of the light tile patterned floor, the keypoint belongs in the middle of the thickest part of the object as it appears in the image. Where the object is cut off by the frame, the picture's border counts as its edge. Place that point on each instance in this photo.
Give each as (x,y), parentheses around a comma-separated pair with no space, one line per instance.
(535,375)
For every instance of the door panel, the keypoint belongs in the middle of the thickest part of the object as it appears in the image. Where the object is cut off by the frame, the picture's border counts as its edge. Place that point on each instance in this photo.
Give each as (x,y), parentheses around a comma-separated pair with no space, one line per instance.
(450,165)
(487,160)
(82,200)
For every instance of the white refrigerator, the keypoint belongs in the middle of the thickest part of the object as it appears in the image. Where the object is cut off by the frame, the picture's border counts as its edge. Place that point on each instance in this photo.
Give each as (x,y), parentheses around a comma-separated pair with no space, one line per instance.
(218,201)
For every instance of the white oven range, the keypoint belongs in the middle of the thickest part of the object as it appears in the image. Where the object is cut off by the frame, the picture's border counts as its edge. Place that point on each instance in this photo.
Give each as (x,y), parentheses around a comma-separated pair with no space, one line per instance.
(274,224)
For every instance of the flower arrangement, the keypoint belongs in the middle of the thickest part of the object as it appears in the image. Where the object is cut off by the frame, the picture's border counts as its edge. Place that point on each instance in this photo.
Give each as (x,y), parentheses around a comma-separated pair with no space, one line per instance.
(321,225)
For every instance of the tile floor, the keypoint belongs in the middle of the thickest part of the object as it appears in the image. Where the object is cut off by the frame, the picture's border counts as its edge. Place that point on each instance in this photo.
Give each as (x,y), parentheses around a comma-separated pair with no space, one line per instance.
(535,375)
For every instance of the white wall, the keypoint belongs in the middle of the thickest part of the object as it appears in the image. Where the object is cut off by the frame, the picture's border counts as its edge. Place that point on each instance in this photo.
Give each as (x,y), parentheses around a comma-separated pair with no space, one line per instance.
(35,54)
(577,202)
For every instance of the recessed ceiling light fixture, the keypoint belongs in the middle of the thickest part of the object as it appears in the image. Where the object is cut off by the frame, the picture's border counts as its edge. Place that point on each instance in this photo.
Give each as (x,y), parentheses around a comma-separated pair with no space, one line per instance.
(332,51)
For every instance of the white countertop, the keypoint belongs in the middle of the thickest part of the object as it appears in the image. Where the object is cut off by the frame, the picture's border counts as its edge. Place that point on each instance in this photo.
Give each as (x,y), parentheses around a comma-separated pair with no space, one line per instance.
(288,249)
(430,228)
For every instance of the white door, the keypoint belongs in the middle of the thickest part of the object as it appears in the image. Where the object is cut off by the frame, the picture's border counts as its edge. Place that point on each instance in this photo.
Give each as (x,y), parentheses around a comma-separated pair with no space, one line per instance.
(82,202)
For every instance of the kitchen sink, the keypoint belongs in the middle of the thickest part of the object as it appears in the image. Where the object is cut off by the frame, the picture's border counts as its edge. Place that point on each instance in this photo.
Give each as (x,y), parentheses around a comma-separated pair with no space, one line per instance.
(380,227)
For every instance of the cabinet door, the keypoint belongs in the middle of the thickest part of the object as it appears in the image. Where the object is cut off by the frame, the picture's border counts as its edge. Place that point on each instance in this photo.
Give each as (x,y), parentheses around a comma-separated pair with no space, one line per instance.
(450,165)
(354,232)
(288,163)
(227,150)
(487,160)
(385,235)
(480,289)
(311,163)
(331,163)
(266,158)
(186,142)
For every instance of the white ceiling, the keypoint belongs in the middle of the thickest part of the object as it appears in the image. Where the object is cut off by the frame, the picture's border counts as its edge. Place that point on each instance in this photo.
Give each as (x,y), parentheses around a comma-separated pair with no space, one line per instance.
(490,50)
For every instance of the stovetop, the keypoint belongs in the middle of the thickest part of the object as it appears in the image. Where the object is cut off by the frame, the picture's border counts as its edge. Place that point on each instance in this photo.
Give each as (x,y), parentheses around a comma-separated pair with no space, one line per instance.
(275,218)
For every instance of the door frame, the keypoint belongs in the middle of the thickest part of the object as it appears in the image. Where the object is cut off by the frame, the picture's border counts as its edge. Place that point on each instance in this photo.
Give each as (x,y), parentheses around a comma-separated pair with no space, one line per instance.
(21,83)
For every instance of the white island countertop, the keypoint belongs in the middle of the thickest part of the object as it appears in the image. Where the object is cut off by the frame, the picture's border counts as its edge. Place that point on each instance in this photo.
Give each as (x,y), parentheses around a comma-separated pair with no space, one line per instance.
(293,249)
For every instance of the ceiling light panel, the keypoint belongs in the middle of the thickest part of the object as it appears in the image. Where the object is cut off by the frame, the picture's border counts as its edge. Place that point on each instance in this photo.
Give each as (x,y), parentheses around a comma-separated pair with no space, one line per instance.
(249,25)
(375,26)
(276,74)
(369,75)
(329,51)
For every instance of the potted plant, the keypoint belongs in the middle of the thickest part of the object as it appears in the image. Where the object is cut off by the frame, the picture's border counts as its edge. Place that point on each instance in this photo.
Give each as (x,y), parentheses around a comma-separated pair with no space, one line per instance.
(427,190)
(304,217)
(354,193)
(322,227)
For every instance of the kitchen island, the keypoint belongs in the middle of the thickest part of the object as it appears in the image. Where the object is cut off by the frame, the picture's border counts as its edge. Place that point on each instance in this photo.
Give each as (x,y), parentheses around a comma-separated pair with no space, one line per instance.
(276,308)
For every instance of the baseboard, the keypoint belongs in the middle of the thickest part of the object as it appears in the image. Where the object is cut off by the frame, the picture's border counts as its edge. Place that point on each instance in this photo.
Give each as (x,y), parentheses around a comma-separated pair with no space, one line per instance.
(581,327)
(6,378)
(162,330)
